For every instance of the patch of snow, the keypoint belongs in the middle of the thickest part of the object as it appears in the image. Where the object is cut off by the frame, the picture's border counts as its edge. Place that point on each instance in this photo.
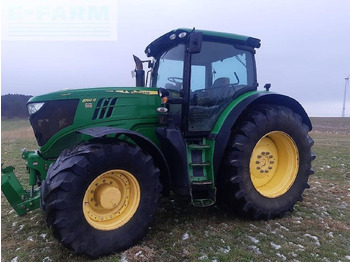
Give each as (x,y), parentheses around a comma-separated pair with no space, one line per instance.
(138,253)
(225,250)
(123,258)
(14,259)
(328,166)
(185,236)
(222,241)
(330,234)
(47,259)
(301,247)
(275,246)
(281,256)
(30,239)
(203,257)
(343,205)
(21,227)
(255,249)
(293,254)
(10,212)
(347,257)
(253,239)
(14,224)
(18,248)
(284,228)
(262,234)
(255,227)
(43,236)
(314,238)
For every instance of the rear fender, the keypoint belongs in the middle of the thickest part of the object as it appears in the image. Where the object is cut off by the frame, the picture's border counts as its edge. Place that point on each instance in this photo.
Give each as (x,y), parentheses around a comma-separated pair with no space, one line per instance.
(223,135)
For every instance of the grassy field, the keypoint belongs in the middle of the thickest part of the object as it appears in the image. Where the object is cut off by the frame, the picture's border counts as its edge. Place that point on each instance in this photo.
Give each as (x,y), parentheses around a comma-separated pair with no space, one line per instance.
(318,229)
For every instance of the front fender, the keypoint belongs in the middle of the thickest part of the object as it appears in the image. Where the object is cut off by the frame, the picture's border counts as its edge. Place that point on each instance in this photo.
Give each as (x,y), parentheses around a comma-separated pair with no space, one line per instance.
(140,140)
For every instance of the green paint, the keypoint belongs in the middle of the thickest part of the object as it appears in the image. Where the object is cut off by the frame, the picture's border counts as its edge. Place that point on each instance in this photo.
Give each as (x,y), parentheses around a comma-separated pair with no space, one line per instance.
(21,200)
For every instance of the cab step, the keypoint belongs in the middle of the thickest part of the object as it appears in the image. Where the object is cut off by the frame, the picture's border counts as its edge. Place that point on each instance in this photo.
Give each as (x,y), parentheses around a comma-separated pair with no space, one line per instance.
(203,194)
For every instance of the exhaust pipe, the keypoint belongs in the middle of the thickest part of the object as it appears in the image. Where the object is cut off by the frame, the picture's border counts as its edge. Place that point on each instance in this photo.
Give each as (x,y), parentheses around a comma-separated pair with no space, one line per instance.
(140,73)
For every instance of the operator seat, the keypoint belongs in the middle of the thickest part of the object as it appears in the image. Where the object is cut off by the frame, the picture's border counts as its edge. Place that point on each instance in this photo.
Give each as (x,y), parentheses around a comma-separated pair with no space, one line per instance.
(221,82)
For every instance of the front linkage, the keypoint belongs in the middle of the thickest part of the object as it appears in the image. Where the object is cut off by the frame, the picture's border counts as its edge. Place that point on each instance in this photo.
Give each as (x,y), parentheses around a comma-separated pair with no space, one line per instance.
(20,199)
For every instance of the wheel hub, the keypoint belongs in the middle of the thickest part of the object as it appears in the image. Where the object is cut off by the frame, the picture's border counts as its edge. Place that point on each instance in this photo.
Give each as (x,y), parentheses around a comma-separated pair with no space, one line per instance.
(264,161)
(107,196)
(274,164)
(111,199)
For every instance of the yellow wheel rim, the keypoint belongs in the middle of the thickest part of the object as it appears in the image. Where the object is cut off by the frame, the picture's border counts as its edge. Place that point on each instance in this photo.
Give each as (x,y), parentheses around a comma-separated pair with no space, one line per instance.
(274,164)
(111,200)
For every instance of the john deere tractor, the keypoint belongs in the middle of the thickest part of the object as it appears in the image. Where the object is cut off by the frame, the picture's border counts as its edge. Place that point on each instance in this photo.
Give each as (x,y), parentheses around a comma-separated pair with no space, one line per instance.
(195,126)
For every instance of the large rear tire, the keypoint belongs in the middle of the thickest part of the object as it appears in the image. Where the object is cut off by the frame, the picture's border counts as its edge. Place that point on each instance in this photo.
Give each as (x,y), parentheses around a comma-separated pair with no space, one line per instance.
(267,163)
(100,198)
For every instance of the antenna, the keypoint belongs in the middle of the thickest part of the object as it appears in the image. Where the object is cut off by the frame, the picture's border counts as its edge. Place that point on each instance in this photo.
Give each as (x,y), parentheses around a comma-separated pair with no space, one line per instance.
(346,84)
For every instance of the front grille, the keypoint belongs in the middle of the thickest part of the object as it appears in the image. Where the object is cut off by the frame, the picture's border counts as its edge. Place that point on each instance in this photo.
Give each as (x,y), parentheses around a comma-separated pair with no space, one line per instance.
(104,108)
(53,117)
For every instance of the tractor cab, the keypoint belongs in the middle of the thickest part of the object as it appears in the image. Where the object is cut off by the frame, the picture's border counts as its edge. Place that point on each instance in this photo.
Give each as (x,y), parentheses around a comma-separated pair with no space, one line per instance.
(200,73)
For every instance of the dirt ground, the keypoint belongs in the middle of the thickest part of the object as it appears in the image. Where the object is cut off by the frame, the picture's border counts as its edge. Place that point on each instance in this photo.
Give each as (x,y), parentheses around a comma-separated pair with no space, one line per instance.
(331,125)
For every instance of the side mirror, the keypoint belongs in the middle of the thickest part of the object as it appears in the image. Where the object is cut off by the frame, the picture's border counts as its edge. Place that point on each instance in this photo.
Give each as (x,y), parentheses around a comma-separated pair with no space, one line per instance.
(195,44)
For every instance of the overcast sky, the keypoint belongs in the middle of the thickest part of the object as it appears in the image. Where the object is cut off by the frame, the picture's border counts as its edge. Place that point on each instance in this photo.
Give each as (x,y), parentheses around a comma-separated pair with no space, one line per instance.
(305,51)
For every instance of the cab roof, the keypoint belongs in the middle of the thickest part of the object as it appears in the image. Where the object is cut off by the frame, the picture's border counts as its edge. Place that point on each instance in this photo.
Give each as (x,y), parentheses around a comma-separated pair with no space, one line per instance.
(179,35)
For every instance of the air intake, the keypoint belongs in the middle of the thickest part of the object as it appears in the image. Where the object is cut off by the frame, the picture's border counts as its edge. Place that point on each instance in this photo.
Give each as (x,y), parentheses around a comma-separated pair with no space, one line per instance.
(104,108)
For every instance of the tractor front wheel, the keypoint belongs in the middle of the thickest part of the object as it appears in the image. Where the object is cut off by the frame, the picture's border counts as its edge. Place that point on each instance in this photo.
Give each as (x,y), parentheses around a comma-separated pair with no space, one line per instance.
(100,198)
(267,163)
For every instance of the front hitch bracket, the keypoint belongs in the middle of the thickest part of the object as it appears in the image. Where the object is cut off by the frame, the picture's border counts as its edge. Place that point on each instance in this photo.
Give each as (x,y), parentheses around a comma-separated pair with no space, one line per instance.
(21,200)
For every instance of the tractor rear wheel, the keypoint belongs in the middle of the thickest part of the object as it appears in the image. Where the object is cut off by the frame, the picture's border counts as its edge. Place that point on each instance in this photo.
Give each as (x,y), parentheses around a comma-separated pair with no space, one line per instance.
(267,163)
(100,198)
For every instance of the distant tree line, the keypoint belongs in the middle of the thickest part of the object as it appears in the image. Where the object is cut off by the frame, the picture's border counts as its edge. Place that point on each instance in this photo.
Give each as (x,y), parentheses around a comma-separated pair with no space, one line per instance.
(14,106)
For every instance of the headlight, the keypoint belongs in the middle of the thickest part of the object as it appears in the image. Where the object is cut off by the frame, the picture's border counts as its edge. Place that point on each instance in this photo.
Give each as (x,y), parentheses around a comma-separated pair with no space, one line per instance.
(34,107)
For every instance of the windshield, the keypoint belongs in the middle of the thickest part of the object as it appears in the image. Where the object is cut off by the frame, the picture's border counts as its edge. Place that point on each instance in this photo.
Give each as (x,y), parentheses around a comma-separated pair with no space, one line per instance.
(169,69)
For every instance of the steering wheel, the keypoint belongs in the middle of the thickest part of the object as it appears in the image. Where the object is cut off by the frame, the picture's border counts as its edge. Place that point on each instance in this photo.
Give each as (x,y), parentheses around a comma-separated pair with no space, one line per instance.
(175,80)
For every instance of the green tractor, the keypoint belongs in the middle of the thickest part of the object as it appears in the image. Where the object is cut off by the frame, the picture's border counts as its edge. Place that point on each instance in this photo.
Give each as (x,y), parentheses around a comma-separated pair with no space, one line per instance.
(195,125)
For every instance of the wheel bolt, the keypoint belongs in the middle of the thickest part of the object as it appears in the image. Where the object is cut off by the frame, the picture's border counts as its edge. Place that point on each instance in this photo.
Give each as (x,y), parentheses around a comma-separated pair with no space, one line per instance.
(270,167)
(259,156)
(261,171)
(258,167)
(257,162)
(263,153)
(266,171)
(272,162)
(270,156)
